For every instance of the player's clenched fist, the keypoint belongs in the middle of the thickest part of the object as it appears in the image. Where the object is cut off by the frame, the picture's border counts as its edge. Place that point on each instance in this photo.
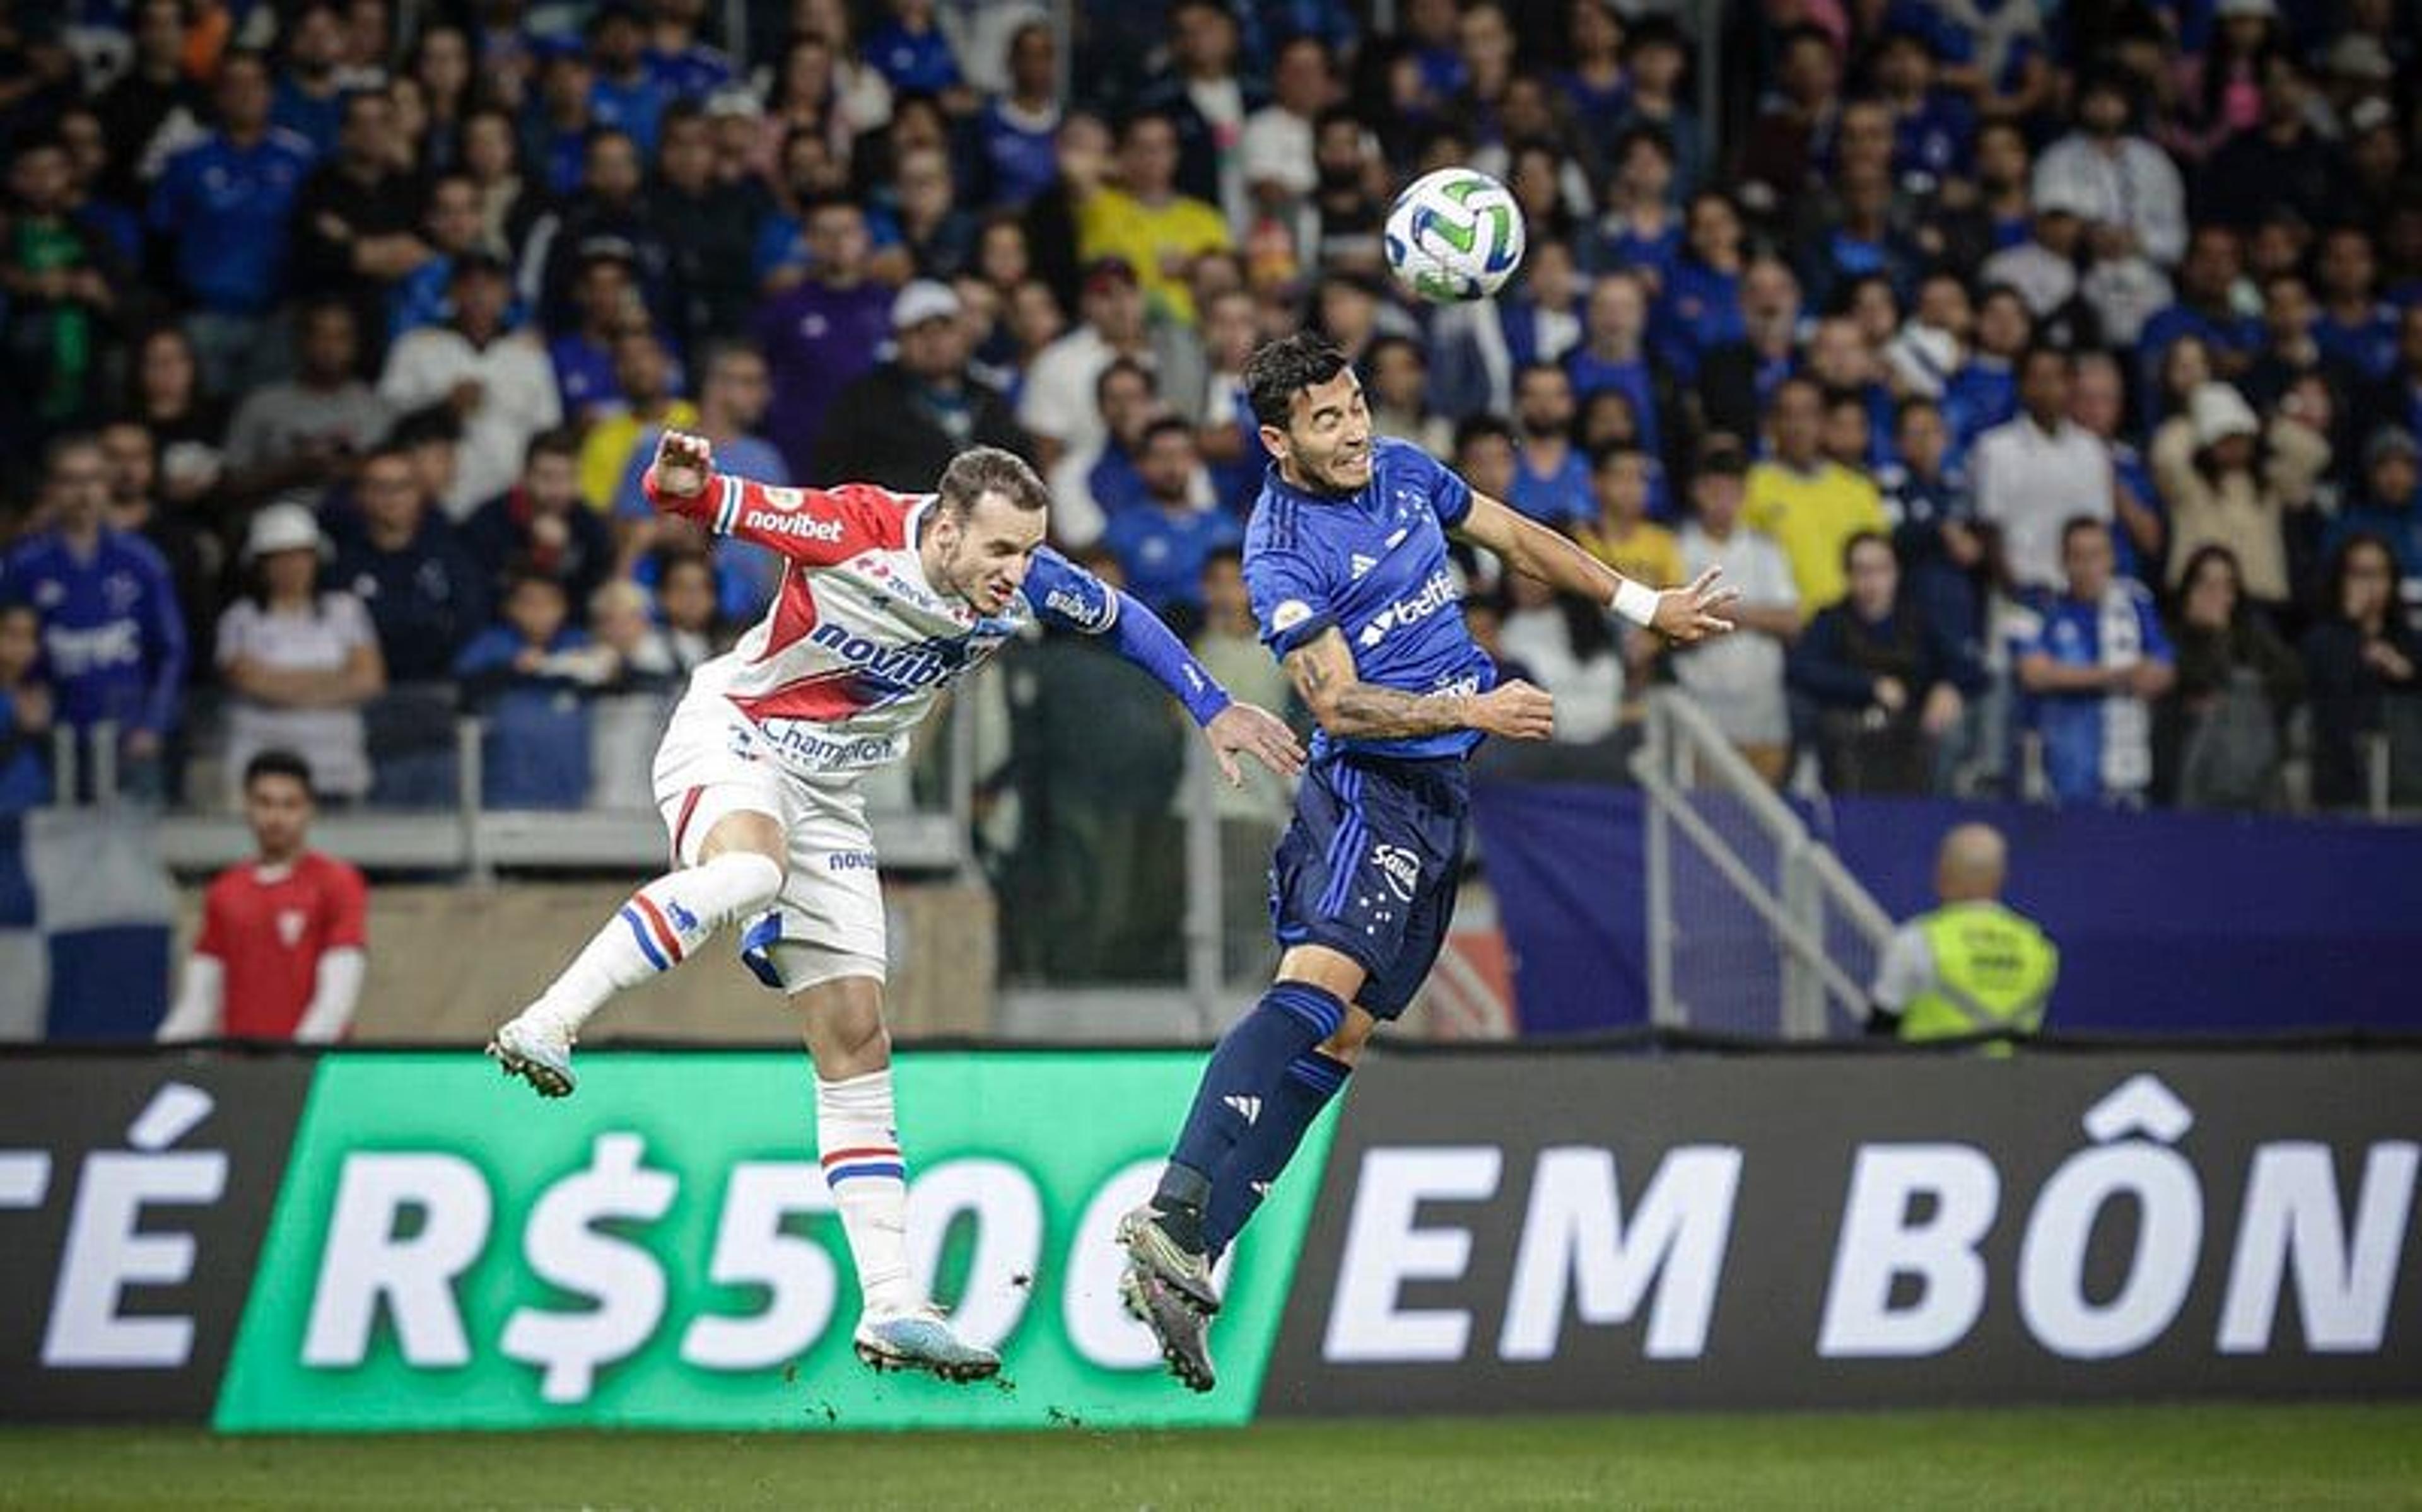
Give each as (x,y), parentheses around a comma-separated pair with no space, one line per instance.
(1517,710)
(682,463)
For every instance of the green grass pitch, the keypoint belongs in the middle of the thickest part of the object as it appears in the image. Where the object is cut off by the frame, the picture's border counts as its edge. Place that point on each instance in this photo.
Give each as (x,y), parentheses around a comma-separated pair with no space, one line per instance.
(2366,1457)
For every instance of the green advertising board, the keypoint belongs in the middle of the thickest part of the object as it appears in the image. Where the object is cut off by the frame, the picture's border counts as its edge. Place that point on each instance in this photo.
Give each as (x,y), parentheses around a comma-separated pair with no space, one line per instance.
(660,1250)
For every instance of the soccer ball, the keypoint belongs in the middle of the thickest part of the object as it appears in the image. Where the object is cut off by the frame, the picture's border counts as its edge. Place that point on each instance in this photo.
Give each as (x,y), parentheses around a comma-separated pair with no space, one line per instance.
(1455,235)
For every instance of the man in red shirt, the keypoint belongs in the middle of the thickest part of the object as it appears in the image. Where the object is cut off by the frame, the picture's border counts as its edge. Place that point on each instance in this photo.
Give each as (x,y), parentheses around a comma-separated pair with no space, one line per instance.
(282,948)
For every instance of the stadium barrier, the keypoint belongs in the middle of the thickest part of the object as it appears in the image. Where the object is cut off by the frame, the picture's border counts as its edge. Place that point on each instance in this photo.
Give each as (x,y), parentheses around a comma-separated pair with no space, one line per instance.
(401,1240)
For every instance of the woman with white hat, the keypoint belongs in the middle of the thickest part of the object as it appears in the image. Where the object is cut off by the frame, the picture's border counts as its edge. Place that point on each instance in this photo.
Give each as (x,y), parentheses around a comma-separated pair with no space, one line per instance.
(2227,480)
(299,664)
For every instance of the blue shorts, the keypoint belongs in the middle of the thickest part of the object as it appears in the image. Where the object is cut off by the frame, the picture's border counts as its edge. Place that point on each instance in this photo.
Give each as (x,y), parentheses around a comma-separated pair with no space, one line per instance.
(1368,869)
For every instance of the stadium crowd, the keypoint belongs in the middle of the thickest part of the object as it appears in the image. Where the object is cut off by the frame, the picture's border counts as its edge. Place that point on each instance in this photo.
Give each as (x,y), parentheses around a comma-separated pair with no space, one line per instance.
(2050,385)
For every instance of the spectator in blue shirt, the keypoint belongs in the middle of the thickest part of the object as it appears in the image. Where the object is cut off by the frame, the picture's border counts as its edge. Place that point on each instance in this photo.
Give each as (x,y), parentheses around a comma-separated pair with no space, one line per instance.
(558,119)
(401,559)
(1655,56)
(1641,231)
(1163,542)
(221,209)
(1933,510)
(684,67)
(1984,390)
(627,95)
(1014,156)
(1552,477)
(2354,326)
(529,677)
(2092,661)
(310,93)
(2206,309)
(26,706)
(911,52)
(1612,352)
(2388,505)
(605,303)
(112,635)
(1934,129)
(1699,308)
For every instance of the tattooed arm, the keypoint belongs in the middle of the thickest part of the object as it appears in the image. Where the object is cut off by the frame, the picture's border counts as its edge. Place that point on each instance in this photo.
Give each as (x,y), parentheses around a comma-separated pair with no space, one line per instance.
(1350,709)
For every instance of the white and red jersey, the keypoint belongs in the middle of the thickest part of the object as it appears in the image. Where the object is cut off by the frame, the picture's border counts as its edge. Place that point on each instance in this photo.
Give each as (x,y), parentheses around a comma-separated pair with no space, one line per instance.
(857,645)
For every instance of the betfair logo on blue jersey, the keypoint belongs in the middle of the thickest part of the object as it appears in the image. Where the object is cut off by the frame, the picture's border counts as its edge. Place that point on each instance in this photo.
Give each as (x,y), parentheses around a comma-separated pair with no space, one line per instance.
(1437,594)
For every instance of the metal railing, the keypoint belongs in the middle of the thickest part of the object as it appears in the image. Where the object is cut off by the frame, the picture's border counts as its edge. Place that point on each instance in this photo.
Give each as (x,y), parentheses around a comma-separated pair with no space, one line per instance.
(1769,929)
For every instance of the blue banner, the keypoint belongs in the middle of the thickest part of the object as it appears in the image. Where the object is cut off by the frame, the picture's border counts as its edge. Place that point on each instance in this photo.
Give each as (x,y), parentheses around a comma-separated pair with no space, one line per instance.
(2167,923)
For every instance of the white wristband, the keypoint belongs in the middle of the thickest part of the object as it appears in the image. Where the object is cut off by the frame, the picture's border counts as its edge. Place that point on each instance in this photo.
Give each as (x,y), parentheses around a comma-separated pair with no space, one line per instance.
(1636,602)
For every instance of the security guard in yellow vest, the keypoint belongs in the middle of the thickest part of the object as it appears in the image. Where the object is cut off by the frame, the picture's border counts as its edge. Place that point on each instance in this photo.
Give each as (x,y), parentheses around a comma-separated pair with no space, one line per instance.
(1971,966)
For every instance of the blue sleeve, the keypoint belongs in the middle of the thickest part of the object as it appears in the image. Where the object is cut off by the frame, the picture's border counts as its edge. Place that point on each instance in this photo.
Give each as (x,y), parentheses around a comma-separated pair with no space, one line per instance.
(488,649)
(1449,496)
(1143,639)
(2157,639)
(1064,594)
(163,626)
(1290,601)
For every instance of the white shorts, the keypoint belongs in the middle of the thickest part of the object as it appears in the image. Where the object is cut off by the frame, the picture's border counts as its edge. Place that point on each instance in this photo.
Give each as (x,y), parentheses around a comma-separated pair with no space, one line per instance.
(714,762)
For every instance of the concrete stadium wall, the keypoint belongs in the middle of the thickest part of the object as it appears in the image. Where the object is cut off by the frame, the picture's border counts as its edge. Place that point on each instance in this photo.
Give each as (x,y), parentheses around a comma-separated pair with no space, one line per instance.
(448,962)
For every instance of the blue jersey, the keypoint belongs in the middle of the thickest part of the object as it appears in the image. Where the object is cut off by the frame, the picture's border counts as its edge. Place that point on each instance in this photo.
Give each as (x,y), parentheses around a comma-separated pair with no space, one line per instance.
(633,109)
(692,73)
(224,210)
(112,637)
(1371,566)
(1633,380)
(1163,553)
(1014,157)
(2368,346)
(916,62)
(1699,312)
(2096,746)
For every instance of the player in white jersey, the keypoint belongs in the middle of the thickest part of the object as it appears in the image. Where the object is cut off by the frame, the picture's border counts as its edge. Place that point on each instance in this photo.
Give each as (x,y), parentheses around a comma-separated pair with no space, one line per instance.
(885,600)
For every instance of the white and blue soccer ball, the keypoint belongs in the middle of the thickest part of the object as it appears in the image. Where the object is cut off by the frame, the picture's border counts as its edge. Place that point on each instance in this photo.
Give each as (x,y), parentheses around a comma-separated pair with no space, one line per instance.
(1455,235)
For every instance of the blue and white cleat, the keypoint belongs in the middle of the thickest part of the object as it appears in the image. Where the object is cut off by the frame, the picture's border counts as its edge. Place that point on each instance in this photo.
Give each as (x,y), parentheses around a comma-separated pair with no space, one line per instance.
(537,1054)
(921,1340)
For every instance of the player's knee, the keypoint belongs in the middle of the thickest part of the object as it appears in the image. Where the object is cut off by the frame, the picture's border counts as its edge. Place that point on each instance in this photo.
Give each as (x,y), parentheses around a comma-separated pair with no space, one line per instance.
(842,1023)
(747,833)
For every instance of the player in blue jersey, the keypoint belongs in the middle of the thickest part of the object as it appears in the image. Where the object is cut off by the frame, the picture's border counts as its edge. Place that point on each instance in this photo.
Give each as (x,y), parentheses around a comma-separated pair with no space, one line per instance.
(1346,561)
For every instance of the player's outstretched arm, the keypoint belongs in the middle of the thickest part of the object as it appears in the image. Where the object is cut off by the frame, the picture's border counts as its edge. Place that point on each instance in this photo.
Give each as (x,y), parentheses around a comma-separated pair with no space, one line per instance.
(1233,729)
(814,527)
(1685,615)
(1350,709)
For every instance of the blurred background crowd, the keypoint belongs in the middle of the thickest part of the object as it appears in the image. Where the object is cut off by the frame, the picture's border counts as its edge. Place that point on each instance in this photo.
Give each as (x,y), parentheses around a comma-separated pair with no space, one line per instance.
(2049,377)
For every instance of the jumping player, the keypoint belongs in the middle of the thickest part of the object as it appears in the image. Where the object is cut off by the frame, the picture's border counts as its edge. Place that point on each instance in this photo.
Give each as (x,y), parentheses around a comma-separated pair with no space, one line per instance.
(1346,561)
(885,600)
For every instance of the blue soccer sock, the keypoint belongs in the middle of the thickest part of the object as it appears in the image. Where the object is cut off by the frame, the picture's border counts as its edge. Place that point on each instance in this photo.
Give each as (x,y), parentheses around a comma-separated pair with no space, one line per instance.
(1245,1071)
(1311,1079)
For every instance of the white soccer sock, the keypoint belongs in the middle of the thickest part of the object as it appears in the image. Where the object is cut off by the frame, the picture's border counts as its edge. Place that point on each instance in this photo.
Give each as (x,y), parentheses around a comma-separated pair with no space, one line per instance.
(860,1152)
(656,930)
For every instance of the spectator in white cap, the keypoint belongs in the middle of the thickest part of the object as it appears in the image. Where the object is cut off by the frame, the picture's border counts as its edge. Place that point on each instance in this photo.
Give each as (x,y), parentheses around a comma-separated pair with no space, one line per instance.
(2228,481)
(901,424)
(299,662)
